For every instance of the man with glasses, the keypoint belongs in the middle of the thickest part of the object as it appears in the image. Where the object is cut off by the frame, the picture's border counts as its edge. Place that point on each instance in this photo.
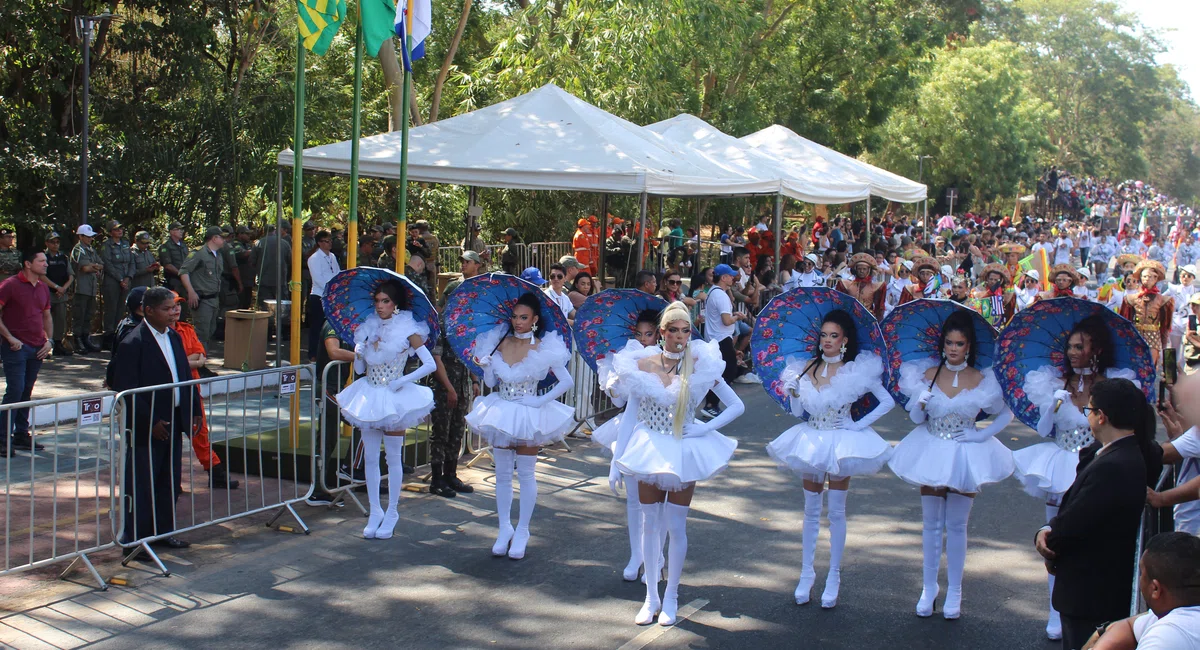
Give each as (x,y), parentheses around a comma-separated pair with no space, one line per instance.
(1089,545)
(558,295)
(322,266)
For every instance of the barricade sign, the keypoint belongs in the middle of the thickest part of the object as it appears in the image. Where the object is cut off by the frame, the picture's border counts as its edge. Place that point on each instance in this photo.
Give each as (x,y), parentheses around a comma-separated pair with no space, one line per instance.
(90,411)
(287,382)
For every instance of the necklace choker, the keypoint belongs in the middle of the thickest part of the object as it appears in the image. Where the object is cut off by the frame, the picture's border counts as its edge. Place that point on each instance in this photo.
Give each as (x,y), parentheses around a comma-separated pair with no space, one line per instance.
(524,337)
(1082,372)
(956,368)
(674,356)
(837,358)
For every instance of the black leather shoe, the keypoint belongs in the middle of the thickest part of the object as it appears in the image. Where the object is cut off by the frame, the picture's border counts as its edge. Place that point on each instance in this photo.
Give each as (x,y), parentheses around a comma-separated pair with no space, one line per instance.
(450,475)
(25,442)
(171,542)
(90,345)
(61,350)
(221,480)
(439,487)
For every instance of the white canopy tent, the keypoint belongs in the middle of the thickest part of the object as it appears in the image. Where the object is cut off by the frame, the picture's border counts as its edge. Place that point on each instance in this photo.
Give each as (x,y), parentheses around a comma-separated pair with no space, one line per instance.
(546,139)
(785,145)
(817,183)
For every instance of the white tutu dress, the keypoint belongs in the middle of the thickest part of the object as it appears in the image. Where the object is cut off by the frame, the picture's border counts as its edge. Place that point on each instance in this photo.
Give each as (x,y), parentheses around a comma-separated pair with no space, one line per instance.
(1046,470)
(514,415)
(605,435)
(831,442)
(931,455)
(384,398)
(649,451)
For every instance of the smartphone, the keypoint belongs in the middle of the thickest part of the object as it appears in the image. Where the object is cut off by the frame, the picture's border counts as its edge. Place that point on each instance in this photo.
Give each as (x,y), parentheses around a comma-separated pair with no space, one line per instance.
(1193,323)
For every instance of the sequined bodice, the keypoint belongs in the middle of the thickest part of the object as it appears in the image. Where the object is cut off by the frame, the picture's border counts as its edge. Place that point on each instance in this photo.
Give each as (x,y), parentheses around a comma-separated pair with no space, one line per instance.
(656,417)
(947,426)
(1073,440)
(382,374)
(829,419)
(515,390)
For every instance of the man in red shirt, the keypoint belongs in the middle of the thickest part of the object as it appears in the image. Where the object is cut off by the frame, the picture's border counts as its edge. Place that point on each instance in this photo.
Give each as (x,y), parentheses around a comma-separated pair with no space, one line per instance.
(28,332)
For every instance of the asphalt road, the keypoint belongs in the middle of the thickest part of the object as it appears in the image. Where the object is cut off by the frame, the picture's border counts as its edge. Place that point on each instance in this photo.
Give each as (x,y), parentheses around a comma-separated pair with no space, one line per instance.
(435,585)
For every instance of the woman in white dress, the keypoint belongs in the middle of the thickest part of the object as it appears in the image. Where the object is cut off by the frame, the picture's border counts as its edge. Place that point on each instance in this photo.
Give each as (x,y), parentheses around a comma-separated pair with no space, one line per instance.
(645,336)
(1047,469)
(384,402)
(514,419)
(947,455)
(831,444)
(664,448)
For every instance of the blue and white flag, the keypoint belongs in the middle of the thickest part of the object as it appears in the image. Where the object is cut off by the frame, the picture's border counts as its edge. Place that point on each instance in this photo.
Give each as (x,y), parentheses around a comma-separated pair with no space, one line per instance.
(422,24)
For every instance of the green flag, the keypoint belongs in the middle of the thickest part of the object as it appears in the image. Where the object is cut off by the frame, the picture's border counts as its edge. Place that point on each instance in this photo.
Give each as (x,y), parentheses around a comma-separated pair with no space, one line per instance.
(318,21)
(378,23)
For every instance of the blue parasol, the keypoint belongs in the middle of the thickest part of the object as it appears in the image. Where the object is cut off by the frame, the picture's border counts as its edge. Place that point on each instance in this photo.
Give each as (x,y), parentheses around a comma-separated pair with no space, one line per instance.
(912,331)
(350,297)
(790,326)
(484,303)
(607,320)
(1037,337)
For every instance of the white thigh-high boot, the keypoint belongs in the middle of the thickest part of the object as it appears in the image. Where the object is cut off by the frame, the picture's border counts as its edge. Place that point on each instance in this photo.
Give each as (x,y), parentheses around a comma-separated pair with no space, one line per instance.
(1054,624)
(677,552)
(662,542)
(394,446)
(371,439)
(933,517)
(529,492)
(504,496)
(958,510)
(650,548)
(837,544)
(812,528)
(633,519)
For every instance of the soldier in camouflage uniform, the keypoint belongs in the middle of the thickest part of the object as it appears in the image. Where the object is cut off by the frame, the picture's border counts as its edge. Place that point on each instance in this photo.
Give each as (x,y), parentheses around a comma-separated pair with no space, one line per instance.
(59,277)
(145,263)
(10,257)
(231,281)
(387,259)
(88,269)
(414,269)
(171,255)
(201,275)
(452,392)
(118,277)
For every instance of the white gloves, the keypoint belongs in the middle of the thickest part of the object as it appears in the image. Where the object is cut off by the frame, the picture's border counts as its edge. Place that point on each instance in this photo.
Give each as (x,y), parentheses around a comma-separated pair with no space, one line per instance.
(483,362)
(397,383)
(924,397)
(1064,395)
(973,435)
(615,481)
(532,401)
(696,429)
(360,365)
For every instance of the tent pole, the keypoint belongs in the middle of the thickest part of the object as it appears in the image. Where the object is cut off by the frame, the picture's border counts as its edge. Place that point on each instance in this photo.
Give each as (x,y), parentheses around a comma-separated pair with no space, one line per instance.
(868,231)
(641,243)
(699,235)
(402,225)
(297,205)
(602,269)
(778,230)
(355,133)
(278,265)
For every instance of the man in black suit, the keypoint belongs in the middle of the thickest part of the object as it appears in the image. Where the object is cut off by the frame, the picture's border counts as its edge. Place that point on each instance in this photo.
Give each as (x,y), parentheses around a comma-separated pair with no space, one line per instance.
(1089,546)
(155,421)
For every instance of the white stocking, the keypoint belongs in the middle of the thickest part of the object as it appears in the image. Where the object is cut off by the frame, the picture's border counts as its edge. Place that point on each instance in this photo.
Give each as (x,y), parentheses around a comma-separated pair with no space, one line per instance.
(529,490)
(371,439)
(394,446)
(504,496)
(837,544)
(933,513)
(633,519)
(958,511)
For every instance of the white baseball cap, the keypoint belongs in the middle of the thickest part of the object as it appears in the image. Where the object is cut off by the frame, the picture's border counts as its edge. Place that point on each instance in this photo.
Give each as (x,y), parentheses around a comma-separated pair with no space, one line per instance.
(1085,272)
(1032,273)
(812,258)
(1190,269)
(908,264)
(86,231)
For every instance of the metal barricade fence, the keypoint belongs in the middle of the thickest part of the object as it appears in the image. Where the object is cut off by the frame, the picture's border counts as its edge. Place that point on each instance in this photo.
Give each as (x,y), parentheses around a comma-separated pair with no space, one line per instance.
(55,499)
(543,254)
(1153,522)
(258,425)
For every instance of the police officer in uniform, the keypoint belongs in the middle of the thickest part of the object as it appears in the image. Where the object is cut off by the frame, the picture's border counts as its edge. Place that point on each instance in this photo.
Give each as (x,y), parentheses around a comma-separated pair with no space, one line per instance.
(59,277)
(10,257)
(87,267)
(201,276)
(452,392)
(118,276)
(387,259)
(145,262)
(171,255)
(243,252)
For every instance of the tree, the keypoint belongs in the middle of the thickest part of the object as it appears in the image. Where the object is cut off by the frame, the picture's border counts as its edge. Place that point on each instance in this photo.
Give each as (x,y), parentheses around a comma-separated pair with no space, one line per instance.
(975,115)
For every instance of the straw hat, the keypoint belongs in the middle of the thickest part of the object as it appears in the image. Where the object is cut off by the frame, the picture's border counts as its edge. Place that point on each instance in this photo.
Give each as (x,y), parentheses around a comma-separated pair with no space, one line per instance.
(864,258)
(1011,248)
(1065,268)
(997,268)
(1153,265)
(1128,258)
(925,262)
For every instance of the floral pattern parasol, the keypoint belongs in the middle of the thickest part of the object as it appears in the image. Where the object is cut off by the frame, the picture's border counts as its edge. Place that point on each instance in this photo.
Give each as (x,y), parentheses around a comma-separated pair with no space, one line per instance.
(912,331)
(350,297)
(484,303)
(790,326)
(607,320)
(1037,337)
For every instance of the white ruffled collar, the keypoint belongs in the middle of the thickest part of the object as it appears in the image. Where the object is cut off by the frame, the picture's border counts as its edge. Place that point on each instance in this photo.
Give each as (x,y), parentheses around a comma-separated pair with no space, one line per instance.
(550,352)
(1039,389)
(969,402)
(706,371)
(851,381)
(384,341)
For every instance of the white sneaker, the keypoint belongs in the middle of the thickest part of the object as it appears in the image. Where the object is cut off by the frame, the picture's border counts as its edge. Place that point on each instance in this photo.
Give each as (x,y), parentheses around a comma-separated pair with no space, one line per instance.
(748,378)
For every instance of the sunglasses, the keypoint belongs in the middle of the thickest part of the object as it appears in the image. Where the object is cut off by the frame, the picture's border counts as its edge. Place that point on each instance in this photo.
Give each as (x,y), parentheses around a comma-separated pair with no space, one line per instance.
(557,276)
(674,282)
